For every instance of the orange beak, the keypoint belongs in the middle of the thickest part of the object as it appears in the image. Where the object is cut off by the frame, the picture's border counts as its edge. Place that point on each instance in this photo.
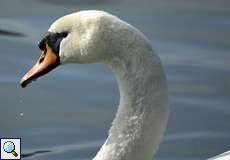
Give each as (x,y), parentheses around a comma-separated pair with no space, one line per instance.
(47,61)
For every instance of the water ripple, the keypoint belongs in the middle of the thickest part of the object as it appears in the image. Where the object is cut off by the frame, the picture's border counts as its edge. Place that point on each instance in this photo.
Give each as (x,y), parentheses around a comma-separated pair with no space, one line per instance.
(4,32)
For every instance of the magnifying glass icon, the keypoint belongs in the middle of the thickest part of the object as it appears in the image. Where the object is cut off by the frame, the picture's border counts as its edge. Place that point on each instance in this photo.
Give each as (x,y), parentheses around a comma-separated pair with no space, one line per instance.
(9,147)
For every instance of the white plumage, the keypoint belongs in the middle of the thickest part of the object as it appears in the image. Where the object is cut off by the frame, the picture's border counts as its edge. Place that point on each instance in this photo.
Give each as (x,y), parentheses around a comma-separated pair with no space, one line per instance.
(223,156)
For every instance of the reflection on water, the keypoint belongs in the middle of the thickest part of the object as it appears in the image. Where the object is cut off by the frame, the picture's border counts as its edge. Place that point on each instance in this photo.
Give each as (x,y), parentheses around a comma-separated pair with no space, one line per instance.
(10,33)
(66,115)
(34,153)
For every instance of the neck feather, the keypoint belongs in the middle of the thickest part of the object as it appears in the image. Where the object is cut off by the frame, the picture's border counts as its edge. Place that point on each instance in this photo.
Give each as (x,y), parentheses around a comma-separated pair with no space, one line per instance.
(143,111)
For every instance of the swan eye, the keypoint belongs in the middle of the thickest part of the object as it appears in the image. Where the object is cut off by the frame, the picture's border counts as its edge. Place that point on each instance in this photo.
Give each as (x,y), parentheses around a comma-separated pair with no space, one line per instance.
(63,34)
(53,40)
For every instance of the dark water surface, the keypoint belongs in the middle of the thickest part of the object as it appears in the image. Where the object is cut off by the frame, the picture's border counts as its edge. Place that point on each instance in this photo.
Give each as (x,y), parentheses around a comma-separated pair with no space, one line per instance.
(66,114)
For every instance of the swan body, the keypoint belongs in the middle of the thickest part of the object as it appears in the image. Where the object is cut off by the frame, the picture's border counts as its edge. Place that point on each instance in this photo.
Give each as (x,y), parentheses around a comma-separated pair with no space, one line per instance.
(99,37)
(223,156)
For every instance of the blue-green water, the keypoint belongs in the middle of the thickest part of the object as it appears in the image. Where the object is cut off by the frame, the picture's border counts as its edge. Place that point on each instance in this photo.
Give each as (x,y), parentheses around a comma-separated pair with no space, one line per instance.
(66,114)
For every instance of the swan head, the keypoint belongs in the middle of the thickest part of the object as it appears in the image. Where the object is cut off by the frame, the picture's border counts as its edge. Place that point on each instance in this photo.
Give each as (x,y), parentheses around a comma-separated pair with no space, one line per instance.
(74,38)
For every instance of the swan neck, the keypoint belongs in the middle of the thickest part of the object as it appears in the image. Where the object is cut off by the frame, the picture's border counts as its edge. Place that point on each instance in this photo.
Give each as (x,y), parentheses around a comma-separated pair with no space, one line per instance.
(143,110)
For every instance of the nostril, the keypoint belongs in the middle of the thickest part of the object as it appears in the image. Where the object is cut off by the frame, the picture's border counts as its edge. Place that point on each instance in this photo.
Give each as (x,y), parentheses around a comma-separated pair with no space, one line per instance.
(42,58)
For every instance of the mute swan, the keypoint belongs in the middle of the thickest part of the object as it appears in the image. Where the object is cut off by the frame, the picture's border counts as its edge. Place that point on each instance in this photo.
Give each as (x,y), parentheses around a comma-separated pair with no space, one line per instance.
(99,37)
